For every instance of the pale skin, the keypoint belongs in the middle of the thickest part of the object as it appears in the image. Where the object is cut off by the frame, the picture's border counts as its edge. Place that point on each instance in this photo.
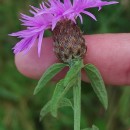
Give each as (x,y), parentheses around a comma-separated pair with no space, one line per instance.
(110,53)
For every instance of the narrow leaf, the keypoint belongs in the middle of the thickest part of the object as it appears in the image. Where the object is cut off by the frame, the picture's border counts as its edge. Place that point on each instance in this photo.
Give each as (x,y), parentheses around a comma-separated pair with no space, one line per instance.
(48,75)
(59,93)
(65,102)
(58,99)
(97,83)
(57,96)
(73,71)
(45,110)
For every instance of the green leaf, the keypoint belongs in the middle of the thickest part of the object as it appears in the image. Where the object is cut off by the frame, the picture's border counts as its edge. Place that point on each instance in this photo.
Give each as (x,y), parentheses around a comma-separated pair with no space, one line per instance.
(77,66)
(57,99)
(59,93)
(97,83)
(48,75)
(57,96)
(93,128)
(65,102)
(45,110)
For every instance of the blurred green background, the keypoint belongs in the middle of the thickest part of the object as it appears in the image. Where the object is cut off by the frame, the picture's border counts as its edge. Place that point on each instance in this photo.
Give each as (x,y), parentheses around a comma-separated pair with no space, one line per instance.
(19,109)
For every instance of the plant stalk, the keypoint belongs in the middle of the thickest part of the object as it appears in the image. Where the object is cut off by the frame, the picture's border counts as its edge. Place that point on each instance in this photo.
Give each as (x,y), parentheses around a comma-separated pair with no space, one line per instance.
(77,102)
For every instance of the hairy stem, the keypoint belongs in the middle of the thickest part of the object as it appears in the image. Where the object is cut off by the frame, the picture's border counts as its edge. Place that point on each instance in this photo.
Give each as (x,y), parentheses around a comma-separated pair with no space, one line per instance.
(77,102)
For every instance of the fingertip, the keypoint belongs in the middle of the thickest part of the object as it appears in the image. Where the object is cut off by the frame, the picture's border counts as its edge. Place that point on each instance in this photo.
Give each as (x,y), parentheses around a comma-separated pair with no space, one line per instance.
(25,68)
(108,52)
(33,66)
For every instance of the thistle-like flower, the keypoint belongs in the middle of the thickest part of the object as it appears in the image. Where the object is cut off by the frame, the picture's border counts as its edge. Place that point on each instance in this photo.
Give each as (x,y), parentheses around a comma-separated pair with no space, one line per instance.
(60,17)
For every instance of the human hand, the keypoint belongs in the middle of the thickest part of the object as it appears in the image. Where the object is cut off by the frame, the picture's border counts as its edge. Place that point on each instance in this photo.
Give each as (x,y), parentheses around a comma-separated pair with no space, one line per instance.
(110,53)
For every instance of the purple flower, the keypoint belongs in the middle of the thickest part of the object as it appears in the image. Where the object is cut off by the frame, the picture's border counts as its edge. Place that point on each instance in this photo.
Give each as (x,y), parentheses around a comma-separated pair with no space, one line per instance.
(47,16)
(36,26)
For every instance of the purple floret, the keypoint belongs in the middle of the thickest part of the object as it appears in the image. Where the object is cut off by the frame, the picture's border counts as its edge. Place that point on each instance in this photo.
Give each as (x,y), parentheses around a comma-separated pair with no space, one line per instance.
(47,16)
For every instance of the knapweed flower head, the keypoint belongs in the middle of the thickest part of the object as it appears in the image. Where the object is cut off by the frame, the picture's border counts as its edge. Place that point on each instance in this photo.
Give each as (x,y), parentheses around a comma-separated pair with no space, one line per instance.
(48,15)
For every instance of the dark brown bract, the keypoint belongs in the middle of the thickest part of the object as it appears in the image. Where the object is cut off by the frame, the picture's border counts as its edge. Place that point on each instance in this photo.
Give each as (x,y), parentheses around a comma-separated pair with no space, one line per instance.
(68,41)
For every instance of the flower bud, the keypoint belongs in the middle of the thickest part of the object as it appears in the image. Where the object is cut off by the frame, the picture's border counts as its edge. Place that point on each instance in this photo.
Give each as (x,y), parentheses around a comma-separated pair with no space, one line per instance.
(68,41)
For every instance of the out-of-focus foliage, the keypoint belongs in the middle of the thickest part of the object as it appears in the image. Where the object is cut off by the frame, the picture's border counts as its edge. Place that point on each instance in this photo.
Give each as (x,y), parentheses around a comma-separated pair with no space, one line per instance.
(19,109)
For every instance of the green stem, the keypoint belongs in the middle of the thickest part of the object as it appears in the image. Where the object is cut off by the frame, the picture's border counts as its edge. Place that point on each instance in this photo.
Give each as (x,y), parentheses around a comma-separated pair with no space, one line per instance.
(77,102)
